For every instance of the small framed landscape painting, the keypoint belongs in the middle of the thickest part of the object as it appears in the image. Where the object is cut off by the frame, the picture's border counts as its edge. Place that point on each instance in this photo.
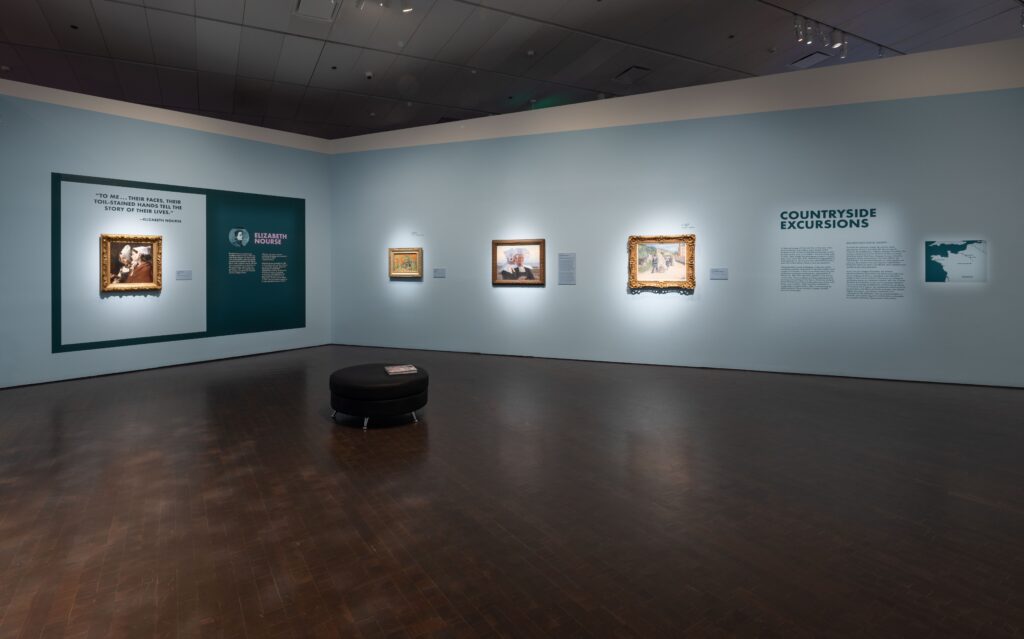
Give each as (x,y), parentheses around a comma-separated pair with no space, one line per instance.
(405,263)
(131,263)
(517,262)
(661,262)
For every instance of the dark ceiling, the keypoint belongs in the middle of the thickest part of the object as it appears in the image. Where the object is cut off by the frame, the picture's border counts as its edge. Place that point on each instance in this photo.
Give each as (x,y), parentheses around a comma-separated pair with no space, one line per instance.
(258,62)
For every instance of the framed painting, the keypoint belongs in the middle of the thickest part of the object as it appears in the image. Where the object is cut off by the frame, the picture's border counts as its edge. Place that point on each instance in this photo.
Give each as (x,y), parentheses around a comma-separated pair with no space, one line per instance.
(662,262)
(517,262)
(405,263)
(131,263)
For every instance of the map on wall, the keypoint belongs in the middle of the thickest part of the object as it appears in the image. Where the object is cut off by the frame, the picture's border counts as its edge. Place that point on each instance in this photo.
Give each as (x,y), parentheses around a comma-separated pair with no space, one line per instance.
(963,261)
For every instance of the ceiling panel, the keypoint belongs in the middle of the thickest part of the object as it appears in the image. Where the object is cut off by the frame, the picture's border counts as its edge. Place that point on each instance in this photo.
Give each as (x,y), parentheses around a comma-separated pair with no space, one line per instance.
(97,76)
(317,105)
(972,28)
(285,100)
(252,96)
(125,30)
(626,20)
(376,62)
(25,23)
(507,42)
(437,28)
(268,14)
(541,42)
(174,38)
(227,10)
(354,26)
(179,88)
(426,84)
(901,19)
(139,82)
(572,47)
(396,27)
(181,6)
(588,61)
(217,46)
(538,9)
(298,59)
(373,113)
(49,68)
(335,66)
(74,24)
(476,30)
(258,53)
(403,78)
(216,92)
(18,70)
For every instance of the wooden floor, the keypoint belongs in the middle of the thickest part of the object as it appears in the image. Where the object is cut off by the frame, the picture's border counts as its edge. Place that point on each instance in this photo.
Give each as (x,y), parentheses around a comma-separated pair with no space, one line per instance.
(535,498)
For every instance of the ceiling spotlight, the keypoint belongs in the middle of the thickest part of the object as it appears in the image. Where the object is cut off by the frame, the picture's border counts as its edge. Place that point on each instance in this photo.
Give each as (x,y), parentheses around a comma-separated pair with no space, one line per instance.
(406,6)
(809,33)
(845,50)
(826,37)
(360,4)
(798,26)
(881,51)
(837,38)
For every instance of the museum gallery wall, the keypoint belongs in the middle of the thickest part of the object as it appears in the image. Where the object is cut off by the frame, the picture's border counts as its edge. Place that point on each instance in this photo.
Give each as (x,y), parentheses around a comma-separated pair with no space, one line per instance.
(211,183)
(875,240)
(872,239)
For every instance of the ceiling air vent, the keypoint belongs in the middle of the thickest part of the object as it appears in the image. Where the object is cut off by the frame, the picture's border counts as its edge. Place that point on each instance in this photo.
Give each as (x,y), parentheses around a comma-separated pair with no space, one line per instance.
(632,74)
(318,10)
(809,60)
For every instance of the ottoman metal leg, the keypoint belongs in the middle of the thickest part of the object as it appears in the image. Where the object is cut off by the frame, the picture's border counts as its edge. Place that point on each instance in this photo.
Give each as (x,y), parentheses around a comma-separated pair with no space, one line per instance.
(414,417)
(334,414)
(366,422)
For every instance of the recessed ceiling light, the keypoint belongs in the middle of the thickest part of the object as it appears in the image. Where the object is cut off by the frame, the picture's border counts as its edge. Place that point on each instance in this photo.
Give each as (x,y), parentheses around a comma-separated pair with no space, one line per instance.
(334,68)
(406,6)
(837,38)
(75,27)
(530,52)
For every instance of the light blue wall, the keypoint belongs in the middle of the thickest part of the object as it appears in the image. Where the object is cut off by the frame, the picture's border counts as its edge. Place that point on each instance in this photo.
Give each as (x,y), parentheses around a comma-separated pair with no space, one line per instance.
(37,139)
(936,168)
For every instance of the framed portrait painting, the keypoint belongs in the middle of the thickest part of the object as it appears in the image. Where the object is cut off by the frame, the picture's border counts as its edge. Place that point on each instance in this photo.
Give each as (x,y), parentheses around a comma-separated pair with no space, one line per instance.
(131,263)
(405,263)
(661,262)
(517,262)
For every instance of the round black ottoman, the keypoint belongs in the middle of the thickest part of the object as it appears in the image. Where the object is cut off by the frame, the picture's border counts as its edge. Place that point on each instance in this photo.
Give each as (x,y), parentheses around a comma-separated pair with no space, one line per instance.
(368,391)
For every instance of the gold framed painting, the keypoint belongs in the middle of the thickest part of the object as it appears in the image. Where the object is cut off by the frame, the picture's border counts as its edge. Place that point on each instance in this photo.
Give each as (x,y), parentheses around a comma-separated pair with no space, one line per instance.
(131,263)
(662,262)
(517,262)
(405,262)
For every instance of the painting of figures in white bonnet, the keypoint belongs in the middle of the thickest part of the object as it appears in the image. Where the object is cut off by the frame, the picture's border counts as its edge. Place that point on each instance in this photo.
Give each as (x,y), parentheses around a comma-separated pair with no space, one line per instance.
(517,262)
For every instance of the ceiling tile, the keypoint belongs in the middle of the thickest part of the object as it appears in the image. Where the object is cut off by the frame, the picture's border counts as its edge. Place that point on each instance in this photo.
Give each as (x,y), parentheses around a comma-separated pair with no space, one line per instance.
(25,23)
(285,100)
(334,67)
(973,28)
(179,88)
(507,42)
(74,24)
(174,38)
(541,42)
(180,6)
(376,62)
(216,92)
(125,30)
(217,46)
(568,50)
(258,53)
(354,26)
(49,68)
(423,83)
(139,82)
(396,27)
(402,79)
(538,9)
(252,96)
(317,105)
(476,30)
(97,76)
(268,14)
(228,10)
(298,60)
(588,62)
(439,25)
(19,71)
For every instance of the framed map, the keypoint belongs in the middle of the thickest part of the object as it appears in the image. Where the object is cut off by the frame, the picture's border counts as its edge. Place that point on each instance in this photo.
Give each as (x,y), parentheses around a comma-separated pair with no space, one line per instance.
(961,261)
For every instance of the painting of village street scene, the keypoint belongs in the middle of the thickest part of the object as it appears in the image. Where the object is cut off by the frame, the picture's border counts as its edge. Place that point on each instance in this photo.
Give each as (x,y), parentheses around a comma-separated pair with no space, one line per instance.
(661,261)
(405,262)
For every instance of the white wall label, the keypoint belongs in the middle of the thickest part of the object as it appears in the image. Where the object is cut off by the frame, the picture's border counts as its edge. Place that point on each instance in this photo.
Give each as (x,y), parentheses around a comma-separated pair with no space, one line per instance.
(183,275)
(440,273)
(567,269)
(719,273)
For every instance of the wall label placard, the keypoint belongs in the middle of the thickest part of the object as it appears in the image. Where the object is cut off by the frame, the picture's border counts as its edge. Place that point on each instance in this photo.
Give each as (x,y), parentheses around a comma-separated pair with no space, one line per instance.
(567,269)
(719,273)
(184,275)
(440,273)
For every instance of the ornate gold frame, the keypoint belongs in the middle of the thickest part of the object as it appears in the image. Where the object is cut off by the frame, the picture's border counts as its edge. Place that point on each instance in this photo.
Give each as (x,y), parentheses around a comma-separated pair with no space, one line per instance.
(398,251)
(497,281)
(158,257)
(691,279)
